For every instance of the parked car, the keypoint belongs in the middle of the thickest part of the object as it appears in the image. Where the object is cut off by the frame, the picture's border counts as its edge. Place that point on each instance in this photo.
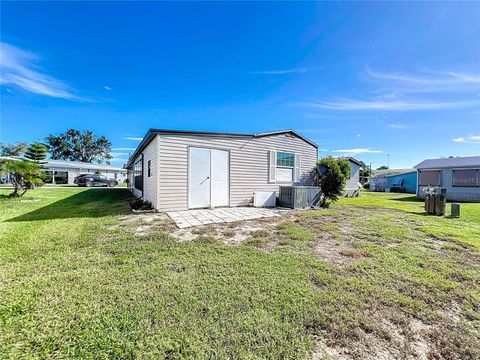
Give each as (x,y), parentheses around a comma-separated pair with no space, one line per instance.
(90,180)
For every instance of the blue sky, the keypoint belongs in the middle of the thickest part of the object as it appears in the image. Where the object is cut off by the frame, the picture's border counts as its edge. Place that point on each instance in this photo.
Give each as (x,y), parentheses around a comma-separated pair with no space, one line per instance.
(363,79)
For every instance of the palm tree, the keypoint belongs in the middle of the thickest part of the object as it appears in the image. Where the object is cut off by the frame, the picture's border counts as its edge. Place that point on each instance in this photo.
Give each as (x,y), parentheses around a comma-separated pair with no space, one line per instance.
(24,174)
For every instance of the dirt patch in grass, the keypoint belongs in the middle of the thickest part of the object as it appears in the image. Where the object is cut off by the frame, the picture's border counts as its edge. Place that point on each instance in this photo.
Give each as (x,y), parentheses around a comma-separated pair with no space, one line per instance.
(235,233)
(144,223)
(393,335)
(334,251)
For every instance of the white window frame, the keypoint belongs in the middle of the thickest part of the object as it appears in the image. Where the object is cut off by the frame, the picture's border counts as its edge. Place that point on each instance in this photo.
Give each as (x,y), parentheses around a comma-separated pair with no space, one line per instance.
(272,167)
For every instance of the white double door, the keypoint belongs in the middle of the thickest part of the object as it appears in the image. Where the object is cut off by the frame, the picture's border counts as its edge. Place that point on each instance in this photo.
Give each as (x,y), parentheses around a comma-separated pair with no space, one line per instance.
(208,178)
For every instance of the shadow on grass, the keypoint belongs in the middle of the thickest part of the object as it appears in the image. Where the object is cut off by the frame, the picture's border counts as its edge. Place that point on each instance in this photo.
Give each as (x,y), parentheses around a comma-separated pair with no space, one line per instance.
(412,198)
(92,203)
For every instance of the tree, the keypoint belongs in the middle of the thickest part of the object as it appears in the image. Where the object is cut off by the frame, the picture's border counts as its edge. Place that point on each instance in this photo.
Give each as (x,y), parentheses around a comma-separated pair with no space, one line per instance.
(344,165)
(332,180)
(365,172)
(36,152)
(23,173)
(383,167)
(77,146)
(15,149)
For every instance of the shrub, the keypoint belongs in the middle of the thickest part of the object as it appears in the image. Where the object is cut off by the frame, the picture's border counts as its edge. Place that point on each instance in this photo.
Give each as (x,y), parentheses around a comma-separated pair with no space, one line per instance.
(140,204)
(332,179)
(344,167)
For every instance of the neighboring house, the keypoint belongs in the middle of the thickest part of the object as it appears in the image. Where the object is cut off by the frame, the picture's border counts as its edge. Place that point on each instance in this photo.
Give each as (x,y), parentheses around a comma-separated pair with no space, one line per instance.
(353,185)
(402,183)
(179,170)
(378,182)
(458,175)
(64,172)
(394,180)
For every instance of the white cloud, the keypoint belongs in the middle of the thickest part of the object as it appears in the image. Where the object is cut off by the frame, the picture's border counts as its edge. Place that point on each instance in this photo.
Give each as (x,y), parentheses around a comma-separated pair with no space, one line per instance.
(280,72)
(472,78)
(323,150)
(133,138)
(358,151)
(439,78)
(20,68)
(472,139)
(359,135)
(107,88)
(348,104)
(397,126)
(123,149)
(117,154)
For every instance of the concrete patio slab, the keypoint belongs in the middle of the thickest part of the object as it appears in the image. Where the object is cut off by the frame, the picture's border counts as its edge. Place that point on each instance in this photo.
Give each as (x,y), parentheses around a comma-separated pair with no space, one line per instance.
(189,218)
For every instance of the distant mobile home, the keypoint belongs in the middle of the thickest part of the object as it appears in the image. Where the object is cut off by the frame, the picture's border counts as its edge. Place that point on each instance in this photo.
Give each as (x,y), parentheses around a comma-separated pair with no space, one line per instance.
(180,170)
(403,183)
(64,171)
(352,187)
(395,180)
(458,175)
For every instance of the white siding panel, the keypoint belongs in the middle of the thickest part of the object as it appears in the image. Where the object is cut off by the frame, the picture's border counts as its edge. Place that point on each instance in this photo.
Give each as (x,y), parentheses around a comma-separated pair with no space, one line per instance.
(249,163)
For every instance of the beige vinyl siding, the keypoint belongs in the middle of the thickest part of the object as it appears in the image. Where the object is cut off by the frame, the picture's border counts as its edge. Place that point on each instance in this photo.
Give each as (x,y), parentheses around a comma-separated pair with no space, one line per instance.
(249,159)
(150,183)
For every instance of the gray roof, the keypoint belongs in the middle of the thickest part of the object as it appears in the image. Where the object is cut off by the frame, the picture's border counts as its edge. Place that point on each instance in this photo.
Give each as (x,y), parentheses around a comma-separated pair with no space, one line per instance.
(352,159)
(451,162)
(152,132)
(400,174)
(79,165)
(69,164)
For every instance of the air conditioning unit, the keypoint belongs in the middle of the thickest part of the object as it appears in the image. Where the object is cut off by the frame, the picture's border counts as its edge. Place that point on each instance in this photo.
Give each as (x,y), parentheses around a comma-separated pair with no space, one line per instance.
(264,199)
(299,197)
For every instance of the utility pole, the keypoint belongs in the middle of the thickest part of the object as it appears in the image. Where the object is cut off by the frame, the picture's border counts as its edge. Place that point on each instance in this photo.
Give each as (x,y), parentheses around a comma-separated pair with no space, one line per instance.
(388,161)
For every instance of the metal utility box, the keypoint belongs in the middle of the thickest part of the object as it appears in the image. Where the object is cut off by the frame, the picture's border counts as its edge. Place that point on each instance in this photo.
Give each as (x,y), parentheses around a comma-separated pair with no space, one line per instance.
(455,212)
(299,197)
(264,199)
(436,201)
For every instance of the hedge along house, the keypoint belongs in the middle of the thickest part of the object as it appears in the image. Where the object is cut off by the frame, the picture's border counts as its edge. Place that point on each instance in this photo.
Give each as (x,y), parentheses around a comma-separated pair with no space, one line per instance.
(460,176)
(180,170)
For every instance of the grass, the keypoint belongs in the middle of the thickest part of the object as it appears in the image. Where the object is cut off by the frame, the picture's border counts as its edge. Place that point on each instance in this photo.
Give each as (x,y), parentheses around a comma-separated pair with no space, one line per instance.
(465,230)
(77,282)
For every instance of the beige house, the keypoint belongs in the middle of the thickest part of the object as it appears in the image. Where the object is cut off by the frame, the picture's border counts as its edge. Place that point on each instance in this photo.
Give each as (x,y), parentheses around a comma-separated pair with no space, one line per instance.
(179,170)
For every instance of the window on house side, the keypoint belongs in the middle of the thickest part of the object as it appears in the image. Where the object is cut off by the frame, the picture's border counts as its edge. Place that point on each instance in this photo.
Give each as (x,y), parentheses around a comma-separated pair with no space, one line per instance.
(465,178)
(429,178)
(285,159)
(149,168)
(138,174)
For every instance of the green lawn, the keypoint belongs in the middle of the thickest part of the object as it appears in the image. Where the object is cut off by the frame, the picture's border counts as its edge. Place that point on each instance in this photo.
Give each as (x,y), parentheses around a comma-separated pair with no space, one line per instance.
(367,277)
